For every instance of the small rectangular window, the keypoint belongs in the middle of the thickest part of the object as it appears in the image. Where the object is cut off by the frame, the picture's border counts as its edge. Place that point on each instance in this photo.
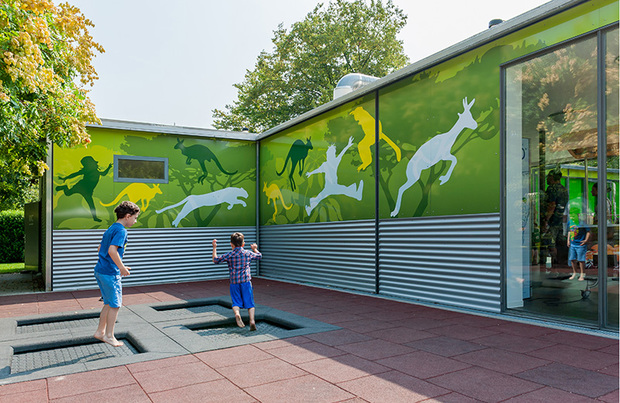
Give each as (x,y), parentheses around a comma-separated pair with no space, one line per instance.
(140,169)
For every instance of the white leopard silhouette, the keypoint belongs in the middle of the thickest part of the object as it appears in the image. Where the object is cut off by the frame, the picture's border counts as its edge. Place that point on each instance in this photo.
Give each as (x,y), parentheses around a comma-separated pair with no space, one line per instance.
(229,195)
(330,169)
(434,150)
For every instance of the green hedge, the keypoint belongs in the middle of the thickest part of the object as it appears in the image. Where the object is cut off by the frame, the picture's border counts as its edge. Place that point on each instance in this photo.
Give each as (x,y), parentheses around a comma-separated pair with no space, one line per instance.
(11,236)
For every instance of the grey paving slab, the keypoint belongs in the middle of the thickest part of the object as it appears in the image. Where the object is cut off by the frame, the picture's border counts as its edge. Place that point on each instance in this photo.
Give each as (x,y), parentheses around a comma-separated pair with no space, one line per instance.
(5,360)
(25,282)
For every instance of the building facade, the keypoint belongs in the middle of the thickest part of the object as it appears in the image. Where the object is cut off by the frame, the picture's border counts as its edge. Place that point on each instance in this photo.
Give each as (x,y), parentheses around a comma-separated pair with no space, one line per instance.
(459,181)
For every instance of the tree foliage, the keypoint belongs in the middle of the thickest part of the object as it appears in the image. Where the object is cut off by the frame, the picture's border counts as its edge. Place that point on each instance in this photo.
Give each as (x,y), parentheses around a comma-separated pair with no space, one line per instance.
(11,236)
(45,66)
(308,60)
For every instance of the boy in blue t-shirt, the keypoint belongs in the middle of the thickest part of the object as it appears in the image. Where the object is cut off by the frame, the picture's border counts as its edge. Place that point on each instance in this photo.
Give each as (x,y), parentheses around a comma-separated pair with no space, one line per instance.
(110,268)
(577,242)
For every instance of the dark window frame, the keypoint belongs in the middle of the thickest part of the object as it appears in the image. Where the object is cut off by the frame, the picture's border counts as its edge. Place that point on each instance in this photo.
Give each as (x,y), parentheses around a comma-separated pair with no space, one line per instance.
(118,158)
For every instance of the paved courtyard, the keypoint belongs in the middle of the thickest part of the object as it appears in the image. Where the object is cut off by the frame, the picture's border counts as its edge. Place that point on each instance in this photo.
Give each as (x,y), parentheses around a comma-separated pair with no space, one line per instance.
(371,349)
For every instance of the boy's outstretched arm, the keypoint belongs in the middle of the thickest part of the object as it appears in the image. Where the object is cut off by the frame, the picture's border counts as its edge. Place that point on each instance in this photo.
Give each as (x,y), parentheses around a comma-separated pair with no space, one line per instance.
(214,249)
(255,248)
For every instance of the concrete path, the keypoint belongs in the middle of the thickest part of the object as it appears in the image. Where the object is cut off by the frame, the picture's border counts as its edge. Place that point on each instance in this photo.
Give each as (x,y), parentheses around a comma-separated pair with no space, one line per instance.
(25,282)
(385,351)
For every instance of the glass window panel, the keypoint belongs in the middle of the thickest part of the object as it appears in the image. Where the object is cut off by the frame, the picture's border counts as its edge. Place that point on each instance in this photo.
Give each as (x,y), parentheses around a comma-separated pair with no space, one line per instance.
(140,169)
(551,115)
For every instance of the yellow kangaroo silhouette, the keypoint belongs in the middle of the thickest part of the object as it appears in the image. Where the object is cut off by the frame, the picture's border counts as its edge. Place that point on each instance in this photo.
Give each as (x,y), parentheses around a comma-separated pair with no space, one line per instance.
(137,192)
(368,126)
(273,192)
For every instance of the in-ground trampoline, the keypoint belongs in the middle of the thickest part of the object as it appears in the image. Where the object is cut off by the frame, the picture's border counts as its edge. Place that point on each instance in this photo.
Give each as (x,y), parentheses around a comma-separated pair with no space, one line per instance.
(43,346)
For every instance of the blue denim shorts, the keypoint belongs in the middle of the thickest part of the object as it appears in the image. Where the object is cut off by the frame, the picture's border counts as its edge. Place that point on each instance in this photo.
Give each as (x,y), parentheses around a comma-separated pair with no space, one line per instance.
(242,295)
(577,252)
(111,289)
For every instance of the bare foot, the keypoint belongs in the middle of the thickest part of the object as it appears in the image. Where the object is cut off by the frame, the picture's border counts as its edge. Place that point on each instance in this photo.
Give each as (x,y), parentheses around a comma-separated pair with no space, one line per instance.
(582,277)
(252,326)
(113,342)
(573,276)
(239,321)
(98,336)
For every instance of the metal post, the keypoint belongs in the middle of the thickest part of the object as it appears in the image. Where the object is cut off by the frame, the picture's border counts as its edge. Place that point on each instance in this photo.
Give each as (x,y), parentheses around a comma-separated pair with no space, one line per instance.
(502,187)
(377,173)
(601,207)
(257,202)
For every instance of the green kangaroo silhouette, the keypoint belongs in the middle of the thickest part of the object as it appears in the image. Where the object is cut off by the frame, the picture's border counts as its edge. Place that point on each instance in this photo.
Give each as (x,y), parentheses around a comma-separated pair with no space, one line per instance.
(297,155)
(201,154)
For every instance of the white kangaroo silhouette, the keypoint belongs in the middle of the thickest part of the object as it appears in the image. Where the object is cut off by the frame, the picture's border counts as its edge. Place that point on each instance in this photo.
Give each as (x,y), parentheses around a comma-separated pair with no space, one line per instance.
(330,169)
(229,195)
(434,150)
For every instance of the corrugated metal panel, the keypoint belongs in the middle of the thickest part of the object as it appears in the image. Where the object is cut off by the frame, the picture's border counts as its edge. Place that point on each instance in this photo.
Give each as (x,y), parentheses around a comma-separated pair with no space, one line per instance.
(447,260)
(339,254)
(167,255)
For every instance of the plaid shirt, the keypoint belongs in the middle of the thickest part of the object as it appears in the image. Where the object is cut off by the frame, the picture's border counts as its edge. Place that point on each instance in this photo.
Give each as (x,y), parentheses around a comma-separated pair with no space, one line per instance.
(238,264)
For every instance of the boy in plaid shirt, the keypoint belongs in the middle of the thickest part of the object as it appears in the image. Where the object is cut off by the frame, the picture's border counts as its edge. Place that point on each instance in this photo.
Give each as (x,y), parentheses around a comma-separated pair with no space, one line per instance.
(239,273)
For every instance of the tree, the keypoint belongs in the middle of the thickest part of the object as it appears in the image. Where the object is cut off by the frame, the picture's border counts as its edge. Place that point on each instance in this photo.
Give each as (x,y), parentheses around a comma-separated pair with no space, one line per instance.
(308,61)
(45,65)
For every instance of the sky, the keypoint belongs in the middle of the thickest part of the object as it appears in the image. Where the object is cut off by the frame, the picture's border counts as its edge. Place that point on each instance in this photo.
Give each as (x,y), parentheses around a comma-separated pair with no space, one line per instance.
(173,62)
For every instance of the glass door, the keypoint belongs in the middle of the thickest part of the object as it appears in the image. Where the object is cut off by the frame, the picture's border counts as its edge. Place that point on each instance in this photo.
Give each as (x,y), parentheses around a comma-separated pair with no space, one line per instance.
(553,170)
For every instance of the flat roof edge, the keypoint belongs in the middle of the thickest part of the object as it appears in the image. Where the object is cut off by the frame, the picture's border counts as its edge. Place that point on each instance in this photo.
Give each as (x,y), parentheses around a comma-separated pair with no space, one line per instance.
(167,129)
(505,28)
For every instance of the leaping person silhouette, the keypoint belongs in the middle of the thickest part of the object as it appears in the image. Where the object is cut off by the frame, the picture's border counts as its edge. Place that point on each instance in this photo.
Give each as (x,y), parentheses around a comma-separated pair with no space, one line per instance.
(86,185)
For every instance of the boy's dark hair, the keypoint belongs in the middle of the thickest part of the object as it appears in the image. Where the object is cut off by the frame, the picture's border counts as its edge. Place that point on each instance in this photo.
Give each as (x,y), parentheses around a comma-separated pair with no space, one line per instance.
(126,207)
(236,239)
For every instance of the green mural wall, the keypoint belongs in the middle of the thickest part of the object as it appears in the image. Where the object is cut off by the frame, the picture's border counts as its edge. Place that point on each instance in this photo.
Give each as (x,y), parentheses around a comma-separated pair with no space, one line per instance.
(321,170)
(451,165)
(439,152)
(439,136)
(449,133)
(211,182)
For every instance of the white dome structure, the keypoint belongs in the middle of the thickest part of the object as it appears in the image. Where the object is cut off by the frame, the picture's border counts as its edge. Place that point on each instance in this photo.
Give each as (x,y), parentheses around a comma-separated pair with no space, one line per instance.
(351,82)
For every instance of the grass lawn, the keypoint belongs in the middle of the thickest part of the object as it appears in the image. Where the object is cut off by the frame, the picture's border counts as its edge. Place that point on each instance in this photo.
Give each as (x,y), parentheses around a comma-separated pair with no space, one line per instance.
(11,267)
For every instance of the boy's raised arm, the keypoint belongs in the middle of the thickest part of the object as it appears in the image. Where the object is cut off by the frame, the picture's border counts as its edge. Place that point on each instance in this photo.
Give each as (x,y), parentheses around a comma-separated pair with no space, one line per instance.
(214,249)
(255,249)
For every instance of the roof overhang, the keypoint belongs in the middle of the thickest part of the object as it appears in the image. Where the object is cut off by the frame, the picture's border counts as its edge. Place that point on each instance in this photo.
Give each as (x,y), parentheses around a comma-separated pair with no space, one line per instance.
(173,130)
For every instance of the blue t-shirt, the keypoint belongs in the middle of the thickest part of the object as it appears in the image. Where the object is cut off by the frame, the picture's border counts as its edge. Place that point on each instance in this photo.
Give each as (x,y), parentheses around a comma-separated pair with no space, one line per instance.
(578,234)
(115,235)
